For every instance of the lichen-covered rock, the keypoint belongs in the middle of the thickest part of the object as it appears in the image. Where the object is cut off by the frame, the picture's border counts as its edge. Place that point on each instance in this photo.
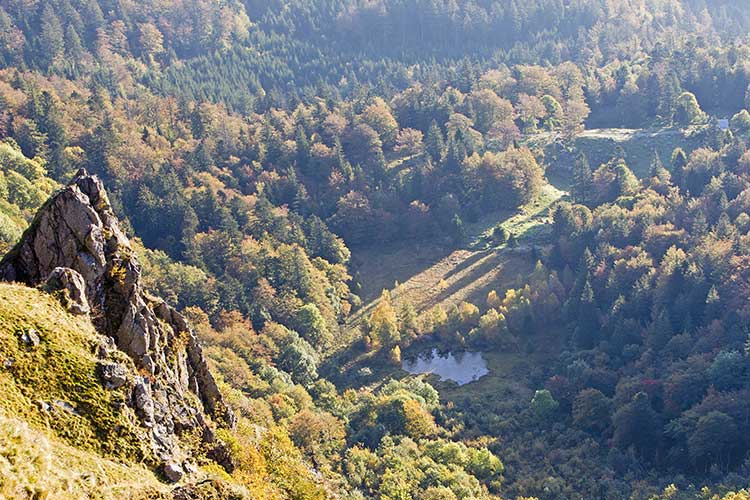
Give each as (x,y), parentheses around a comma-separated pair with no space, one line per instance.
(71,285)
(173,471)
(30,338)
(75,244)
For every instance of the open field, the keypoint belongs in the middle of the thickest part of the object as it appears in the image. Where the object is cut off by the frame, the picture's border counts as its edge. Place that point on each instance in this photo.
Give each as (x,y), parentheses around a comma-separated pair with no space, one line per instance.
(427,274)
(599,146)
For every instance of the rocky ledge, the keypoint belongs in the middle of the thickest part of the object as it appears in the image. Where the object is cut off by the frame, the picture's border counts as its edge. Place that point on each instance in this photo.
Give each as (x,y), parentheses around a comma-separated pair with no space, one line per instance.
(75,248)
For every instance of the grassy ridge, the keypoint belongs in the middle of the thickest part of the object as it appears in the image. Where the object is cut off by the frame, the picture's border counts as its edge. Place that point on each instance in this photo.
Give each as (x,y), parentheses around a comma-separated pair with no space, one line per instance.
(54,384)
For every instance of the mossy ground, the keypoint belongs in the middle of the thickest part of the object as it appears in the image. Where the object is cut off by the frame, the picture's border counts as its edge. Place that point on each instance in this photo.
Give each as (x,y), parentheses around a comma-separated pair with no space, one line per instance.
(34,464)
(63,435)
(57,421)
(55,384)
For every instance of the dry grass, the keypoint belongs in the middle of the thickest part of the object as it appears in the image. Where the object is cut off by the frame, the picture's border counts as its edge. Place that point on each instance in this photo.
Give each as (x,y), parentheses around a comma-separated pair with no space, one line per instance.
(61,432)
(64,436)
(426,275)
(600,144)
(34,465)
(54,385)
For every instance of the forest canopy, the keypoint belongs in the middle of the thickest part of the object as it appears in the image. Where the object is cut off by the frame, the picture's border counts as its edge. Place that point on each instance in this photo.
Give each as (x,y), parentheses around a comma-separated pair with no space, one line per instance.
(581,164)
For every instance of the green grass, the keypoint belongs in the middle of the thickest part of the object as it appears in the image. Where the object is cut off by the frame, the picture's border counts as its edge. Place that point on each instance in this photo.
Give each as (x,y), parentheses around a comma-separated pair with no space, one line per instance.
(36,465)
(599,146)
(62,434)
(530,223)
(55,385)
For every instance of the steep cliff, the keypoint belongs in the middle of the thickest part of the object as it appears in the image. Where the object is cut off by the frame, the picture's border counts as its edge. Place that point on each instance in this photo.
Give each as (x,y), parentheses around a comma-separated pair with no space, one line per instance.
(75,249)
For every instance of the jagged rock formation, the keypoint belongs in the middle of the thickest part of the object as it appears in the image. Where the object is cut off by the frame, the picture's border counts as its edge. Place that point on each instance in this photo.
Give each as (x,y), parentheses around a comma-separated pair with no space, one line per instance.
(75,246)
(72,289)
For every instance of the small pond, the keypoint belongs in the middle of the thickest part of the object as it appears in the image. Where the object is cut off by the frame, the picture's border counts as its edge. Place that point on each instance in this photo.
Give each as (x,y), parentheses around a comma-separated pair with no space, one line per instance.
(461,367)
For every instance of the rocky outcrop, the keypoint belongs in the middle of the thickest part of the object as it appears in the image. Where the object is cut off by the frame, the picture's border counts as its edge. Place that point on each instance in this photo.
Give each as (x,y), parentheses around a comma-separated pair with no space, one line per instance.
(75,246)
(71,287)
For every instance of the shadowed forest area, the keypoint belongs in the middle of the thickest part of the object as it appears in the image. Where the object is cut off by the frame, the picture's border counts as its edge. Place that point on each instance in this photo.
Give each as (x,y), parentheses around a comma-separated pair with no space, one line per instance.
(325,189)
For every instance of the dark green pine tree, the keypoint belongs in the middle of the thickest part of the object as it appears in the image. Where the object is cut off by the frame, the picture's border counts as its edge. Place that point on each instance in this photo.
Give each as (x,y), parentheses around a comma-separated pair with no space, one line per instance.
(50,124)
(679,162)
(699,227)
(100,146)
(656,166)
(434,142)
(74,50)
(583,180)
(303,149)
(456,154)
(51,39)
(587,324)
(669,90)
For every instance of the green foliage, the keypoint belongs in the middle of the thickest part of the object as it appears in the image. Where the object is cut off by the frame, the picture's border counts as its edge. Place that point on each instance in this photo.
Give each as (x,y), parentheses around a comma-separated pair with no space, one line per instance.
(713,438)
(688,111)
(591,410)
(505,180)
(544,405)
(613,180)
(740,122)
(312,326)
(24,186)
(636,424)
(299,359)
(583,180)
(728,370)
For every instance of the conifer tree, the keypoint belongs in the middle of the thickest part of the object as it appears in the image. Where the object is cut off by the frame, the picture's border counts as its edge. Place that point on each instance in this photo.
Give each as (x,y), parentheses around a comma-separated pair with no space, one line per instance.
(582,180)
(679,161)
(52,38)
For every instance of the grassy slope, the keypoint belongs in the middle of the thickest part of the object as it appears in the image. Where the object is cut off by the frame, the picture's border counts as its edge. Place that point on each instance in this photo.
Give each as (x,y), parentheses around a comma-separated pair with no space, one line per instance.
(34,464)
(426,275)
(47,448)
(639,145)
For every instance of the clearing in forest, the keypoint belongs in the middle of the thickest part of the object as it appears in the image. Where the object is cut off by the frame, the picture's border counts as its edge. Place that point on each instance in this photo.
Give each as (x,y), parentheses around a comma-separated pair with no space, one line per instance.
(426,275)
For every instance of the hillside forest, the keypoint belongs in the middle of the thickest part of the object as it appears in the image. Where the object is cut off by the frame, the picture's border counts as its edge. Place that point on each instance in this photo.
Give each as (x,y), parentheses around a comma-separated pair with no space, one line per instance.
(280,167)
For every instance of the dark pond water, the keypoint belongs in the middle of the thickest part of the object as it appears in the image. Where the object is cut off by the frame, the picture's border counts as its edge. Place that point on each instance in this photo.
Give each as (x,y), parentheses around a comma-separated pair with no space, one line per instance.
(461,367)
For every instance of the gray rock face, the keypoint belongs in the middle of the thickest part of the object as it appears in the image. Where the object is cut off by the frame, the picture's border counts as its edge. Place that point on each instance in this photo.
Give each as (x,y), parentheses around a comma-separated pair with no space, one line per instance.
(75,244)
(71,285)
(113,375)
(172,471)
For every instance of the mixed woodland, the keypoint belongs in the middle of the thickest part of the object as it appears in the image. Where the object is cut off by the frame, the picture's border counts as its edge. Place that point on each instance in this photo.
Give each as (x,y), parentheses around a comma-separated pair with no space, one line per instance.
(253,148)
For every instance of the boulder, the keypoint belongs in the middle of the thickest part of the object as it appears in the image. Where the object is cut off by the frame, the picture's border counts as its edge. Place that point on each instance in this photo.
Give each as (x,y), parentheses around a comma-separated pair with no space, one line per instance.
(172,471)
(114,375)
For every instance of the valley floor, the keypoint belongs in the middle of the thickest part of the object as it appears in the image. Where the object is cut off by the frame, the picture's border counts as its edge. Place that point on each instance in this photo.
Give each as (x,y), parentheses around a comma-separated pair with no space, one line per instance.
(427,274)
